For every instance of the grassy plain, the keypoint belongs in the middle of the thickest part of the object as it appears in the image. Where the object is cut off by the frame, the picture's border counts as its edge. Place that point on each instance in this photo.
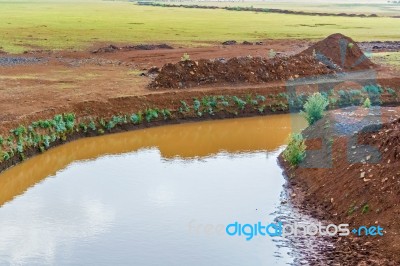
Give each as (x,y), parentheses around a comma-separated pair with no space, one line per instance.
(76,25)
(389,58)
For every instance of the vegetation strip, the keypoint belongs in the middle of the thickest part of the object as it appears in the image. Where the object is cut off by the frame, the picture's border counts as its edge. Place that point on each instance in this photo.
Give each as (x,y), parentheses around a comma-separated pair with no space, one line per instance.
(39,136)
(256,9)
(24,141)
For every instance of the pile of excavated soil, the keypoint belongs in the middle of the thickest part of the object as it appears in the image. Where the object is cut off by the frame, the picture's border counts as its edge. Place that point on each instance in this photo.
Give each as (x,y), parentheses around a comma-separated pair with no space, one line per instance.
(186,74)
(342,51)
(361,192)
(113,48)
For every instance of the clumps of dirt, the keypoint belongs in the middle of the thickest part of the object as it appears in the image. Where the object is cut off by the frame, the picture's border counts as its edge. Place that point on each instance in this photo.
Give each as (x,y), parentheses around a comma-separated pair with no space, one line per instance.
(147,47)
(230,42)
(186,74)
(113,48)
(340,50)
(380,46)
(387,139)
(108,49)
(247,43)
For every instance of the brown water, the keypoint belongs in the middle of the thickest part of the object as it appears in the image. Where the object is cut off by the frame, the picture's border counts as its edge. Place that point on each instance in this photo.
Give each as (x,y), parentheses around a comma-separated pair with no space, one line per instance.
(91,201)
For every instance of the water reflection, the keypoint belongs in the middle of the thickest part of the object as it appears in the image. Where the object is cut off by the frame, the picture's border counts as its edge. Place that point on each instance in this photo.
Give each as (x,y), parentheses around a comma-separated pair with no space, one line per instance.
(138,205)
(184,141)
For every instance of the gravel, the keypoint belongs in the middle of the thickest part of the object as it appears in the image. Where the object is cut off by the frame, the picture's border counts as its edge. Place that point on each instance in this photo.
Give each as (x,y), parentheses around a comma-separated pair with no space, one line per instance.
(13,61)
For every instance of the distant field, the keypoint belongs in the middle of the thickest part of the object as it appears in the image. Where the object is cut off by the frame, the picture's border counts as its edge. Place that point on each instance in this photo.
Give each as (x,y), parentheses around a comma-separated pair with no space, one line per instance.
(76,25)
(389,58)
(381,9)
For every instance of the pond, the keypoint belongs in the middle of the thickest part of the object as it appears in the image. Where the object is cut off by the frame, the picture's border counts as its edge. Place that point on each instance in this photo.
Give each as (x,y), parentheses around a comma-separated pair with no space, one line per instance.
(158,196)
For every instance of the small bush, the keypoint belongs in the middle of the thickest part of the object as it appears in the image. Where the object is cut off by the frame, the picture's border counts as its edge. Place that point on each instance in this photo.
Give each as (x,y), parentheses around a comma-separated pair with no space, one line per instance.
(314,108)
(295,152)
(367,103)
(185,57)
(350,45)
(391,91)
(365,209)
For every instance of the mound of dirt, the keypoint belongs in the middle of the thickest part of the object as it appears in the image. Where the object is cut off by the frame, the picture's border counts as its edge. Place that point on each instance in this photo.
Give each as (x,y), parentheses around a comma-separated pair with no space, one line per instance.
(355,178)
(147,47)
(112,48)
(189,73)
(108,49)
(341,51)
(230,42)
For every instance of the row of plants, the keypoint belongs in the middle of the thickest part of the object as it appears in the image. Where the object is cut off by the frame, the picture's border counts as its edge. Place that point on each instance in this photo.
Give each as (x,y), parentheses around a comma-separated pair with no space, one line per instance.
(42,134)
(344,97)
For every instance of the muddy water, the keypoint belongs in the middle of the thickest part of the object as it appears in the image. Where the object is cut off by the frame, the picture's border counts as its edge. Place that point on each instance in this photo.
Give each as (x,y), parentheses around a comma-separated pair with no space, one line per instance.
(160,196)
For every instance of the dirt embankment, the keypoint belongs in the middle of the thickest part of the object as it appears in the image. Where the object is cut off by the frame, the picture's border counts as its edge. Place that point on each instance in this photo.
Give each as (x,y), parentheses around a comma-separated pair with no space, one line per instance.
(336,53)
(354,179)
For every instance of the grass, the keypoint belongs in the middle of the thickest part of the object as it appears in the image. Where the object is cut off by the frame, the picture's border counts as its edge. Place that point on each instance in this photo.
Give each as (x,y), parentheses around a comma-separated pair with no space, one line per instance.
(389,58)
(76,25)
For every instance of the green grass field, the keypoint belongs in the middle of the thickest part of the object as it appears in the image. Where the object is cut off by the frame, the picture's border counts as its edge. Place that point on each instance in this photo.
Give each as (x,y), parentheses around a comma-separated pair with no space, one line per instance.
(389,58)
(76,25)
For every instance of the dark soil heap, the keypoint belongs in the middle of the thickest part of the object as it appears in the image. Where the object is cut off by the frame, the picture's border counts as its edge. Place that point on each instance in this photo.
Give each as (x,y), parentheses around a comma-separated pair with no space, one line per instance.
(186,74)
(113,48)
(340,50)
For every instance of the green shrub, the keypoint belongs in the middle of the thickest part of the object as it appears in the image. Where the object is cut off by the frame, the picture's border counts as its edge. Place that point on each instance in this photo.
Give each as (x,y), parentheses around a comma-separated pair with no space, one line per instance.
(271,54)
(391,91)
(239,102)
(92,125)
(295,152)
(166,113)
(151,114)
(314,108)
(184,108)
(367,103)
(185,57)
